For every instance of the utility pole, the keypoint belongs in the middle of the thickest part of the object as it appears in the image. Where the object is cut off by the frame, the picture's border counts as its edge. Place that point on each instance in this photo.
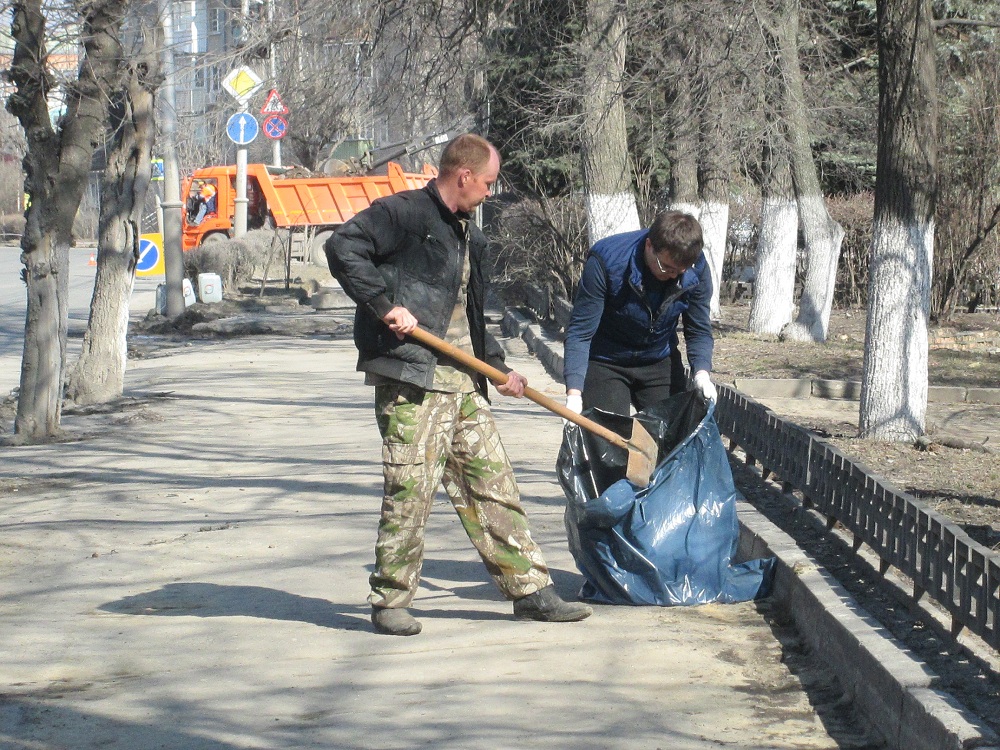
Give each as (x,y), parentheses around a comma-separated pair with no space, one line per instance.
(173,256)
(273,70)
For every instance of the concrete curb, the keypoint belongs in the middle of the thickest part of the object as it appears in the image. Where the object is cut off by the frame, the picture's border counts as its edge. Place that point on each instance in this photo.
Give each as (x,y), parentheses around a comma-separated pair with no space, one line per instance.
(887,683)
(850,390)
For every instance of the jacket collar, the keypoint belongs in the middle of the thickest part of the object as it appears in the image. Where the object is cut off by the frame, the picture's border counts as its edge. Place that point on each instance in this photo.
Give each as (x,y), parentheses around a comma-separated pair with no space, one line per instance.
(447,214)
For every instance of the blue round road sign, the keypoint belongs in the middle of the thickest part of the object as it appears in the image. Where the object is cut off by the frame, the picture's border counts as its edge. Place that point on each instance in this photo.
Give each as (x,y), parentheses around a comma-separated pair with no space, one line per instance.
(149,255)
(242,128)
(275,127)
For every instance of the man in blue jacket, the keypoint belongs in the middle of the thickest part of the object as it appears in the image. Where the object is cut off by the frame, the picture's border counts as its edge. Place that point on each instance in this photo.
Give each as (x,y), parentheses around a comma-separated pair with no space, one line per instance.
(622,335)
(412,258)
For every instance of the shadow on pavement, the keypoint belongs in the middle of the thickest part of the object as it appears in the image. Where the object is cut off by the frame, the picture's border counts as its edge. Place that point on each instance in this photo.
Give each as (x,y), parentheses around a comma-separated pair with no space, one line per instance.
(213,600)
(22,716)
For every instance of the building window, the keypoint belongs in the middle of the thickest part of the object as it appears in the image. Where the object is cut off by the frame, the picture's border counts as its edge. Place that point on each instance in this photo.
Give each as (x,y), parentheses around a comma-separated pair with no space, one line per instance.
(216,20)
(199,77)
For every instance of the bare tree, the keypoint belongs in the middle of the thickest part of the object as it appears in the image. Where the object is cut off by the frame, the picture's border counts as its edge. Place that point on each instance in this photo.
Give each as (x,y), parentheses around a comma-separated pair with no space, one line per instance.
(99,374)
(967,252)
(715,162)
(821,234)
(777,243)
(682,129)
(611,206)
(57,165)
(894,384)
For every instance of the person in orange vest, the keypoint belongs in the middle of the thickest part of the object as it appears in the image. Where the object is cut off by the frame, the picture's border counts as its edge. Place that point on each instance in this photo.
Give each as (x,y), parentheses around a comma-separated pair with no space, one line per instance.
(209,202)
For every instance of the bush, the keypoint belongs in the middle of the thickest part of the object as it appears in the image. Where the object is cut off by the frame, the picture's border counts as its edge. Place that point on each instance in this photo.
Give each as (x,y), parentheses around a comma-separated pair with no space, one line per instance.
(854,213)
(237,261)
(11,227)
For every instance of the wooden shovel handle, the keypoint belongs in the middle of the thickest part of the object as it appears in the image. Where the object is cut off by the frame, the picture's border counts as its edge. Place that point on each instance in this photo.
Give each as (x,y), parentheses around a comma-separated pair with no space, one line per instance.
(500,378)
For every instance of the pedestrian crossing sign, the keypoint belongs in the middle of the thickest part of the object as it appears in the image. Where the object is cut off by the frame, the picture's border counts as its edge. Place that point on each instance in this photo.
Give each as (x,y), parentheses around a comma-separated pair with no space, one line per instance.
(273,105)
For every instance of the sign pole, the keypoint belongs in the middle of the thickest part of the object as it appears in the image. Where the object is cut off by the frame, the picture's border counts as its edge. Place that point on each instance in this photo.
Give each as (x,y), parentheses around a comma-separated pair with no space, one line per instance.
(273,60)
(240,219)
(241,128)
(275,125)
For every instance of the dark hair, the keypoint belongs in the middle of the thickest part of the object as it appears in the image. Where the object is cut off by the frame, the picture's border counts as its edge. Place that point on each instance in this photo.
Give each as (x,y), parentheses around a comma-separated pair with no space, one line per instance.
(679,235)
(467,151)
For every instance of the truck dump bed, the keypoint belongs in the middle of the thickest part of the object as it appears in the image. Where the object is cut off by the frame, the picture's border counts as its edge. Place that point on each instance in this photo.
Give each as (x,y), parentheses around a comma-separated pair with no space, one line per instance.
(319,201)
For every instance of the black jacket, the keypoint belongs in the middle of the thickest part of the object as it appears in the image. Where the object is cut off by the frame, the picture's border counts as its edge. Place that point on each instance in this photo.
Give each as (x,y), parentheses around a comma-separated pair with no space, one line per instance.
(407,250)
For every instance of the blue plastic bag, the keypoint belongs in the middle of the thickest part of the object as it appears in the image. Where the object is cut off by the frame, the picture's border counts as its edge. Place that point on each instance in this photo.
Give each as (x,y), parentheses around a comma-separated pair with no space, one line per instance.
(671,542)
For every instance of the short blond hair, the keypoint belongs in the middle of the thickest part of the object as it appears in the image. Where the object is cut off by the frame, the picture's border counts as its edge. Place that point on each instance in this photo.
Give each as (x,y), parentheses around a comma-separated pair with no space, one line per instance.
(467,151)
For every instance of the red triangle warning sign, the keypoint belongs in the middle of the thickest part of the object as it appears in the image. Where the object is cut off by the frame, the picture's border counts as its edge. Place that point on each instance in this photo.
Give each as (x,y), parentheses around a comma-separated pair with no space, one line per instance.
(274,105)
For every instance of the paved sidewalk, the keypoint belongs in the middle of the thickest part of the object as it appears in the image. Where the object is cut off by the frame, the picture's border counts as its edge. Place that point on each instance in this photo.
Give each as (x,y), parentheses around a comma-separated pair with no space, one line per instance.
(192,575)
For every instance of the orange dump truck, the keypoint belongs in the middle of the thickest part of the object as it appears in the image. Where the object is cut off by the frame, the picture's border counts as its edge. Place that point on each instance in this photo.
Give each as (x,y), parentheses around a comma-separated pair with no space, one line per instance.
(298,203)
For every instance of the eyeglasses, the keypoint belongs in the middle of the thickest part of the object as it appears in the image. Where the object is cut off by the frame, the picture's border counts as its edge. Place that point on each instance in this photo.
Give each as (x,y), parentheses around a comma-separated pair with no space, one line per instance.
(668,269)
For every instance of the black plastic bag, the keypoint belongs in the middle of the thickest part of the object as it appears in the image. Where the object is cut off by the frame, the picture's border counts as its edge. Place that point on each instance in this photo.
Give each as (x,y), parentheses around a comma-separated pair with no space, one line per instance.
(671,542)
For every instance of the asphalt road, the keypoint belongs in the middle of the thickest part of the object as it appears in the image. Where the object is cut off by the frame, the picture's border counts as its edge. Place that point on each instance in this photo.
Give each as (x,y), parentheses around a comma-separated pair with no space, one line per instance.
(13,302)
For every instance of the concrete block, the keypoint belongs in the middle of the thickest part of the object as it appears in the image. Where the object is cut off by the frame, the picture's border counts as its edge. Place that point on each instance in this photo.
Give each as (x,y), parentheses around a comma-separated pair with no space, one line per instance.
(931,719)
(842,389)
(514,323)
(774,387)
(982,395)
(945,394)
(549,352)
(331,298)
(537,299)
(561,312)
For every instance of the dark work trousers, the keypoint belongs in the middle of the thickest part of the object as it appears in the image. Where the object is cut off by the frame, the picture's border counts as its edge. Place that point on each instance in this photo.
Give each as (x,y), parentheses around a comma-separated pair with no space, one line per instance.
(615,388)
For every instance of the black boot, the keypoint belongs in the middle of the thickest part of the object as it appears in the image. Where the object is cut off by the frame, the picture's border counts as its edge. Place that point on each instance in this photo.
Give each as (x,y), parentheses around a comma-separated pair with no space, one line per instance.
(546,606)
(394,621)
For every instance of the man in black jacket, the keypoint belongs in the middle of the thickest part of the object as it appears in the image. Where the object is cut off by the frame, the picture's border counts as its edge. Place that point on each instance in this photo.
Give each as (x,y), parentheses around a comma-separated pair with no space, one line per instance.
(416,257)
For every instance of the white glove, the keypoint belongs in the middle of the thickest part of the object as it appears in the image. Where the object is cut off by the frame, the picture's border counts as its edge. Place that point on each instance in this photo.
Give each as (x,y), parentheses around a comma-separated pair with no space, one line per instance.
(574,402)
(704,384)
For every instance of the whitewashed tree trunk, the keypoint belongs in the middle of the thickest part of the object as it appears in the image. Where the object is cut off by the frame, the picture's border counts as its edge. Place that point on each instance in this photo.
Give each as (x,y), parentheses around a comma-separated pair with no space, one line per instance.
(57,166)
(99,375)
(894,383)
(715,165)
(822,236)
(774,283)
(714,220)
(610,199)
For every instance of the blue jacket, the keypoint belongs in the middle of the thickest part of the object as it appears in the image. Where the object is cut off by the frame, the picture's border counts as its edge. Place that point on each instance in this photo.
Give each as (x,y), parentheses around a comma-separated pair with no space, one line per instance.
(613,320)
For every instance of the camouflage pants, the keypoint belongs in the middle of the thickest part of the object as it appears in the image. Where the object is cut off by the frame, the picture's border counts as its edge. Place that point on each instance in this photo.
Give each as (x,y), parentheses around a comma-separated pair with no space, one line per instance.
(433,438)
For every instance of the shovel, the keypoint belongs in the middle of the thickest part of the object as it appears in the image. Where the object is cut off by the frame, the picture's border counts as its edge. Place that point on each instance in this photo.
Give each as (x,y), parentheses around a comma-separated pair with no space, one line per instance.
(641,447)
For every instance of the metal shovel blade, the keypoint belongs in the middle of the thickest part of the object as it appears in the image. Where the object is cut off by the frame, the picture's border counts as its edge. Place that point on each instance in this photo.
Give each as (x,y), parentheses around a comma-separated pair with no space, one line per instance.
(642,453)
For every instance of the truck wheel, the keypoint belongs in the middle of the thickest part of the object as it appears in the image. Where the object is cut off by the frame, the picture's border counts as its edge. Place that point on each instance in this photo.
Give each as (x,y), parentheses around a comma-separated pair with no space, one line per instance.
(317,256)
(214,237)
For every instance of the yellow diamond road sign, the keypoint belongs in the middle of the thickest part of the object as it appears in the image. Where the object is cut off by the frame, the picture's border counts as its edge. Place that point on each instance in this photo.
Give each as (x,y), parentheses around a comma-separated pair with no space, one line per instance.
(242,83)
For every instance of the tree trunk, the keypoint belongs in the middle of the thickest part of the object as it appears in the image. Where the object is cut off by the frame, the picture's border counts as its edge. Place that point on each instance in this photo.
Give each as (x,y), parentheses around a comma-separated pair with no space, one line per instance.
(682,146)
(57,167)
(822,235)
(894,384)
(607,177)
(774,283)
(716,163)
(99,375)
